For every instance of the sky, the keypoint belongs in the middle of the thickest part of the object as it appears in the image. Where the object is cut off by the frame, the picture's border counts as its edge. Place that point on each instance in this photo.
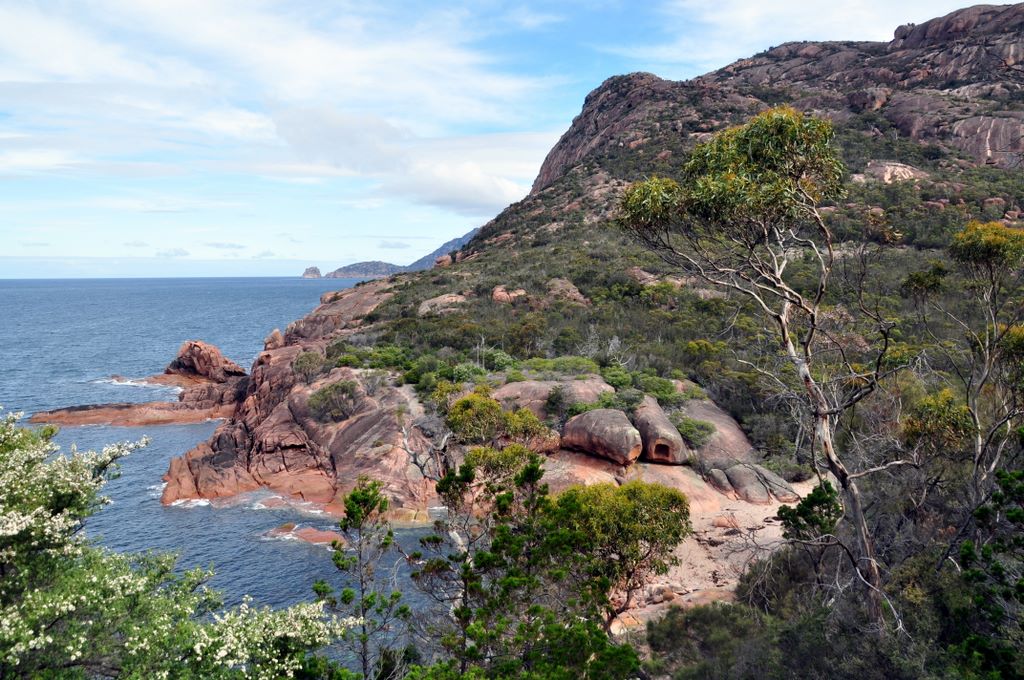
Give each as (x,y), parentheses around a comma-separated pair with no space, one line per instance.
(259,137)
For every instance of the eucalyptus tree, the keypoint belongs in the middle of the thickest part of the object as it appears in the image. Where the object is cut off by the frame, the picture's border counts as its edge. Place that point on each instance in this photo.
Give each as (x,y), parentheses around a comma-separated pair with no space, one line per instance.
(746,208)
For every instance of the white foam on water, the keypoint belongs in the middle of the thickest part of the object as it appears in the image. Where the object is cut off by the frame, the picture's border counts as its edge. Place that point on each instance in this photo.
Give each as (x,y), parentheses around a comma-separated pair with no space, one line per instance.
(156,490)
(133,382)
(190,503)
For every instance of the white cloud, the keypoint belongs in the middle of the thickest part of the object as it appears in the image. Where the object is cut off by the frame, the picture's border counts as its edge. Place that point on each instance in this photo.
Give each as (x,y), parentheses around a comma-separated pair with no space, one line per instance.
(172,252)
(37,45)
(18,161)
(527,18)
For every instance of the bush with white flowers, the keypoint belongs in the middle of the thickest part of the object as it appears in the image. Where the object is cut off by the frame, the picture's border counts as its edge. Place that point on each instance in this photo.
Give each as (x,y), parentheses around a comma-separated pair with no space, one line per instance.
(71,609)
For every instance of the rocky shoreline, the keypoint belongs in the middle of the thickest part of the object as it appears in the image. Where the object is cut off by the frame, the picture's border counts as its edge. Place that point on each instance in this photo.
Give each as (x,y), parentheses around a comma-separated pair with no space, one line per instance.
(211,386)
(269,440)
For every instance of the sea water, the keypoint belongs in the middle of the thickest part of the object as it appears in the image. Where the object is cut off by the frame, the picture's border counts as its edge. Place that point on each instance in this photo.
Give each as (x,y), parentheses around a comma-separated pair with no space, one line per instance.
(63,343)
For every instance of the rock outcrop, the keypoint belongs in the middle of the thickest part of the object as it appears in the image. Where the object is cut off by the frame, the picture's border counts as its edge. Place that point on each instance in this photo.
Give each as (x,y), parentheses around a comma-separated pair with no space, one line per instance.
(661,439)
(211,387)
(533,394)
(442,304)
(603,432)
(755,484)
(339,311)
(202,361)
(565,291)
(311,273)
(503,295)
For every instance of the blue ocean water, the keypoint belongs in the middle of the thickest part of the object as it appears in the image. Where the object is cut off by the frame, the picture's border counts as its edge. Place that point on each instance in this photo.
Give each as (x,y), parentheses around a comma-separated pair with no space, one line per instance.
(63,340)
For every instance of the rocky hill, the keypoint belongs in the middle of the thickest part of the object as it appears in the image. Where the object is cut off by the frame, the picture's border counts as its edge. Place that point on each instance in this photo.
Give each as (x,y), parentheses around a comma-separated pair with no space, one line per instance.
(954,81)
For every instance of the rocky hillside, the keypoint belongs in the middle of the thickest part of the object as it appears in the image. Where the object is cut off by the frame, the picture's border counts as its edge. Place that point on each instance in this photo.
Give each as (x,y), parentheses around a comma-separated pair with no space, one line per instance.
(955,81)
(636,371)
(931,123)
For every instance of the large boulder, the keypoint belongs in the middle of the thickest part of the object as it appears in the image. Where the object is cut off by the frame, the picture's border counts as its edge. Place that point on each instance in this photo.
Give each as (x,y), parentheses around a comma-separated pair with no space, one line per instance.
(533,394)
(728,445)
(442,304)
(198,359)
(503,295)
(603,432)
(661,439)
(756,484)
(564,290)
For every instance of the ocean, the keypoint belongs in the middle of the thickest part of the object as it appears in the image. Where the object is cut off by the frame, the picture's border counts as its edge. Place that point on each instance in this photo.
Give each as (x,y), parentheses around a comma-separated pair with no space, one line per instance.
(66,339)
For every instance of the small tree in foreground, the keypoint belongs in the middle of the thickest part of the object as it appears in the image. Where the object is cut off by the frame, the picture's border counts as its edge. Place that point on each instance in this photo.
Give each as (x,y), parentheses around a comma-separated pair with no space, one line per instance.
(747,207)
(381,615)
(528,583)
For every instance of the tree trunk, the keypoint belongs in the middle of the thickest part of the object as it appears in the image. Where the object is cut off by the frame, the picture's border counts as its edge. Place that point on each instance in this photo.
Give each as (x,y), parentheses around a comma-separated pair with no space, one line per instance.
(823,434)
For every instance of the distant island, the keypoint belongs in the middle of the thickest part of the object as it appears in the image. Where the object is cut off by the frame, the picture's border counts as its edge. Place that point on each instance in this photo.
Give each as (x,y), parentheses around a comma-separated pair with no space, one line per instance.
(376,269)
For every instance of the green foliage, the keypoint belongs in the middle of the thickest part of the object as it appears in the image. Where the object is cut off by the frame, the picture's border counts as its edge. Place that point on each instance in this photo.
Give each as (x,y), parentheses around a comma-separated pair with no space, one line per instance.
(632,532)
(337,401)
(940,422)
(467,372)
(565,365)
(988,247)
(523,425)
(662,389)
(924,284)
(993,570)
(377,639)
(694,431)
(816,515)
(444,394)
(624,400)
(497,360)
(617,376)
(520,597)
(718,641)
(771,170)
(476,419)
(69,609)
(308,365)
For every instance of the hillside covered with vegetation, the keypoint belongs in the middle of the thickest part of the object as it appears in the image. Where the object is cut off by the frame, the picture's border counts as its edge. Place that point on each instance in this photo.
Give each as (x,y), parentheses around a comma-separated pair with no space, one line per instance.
(815,240)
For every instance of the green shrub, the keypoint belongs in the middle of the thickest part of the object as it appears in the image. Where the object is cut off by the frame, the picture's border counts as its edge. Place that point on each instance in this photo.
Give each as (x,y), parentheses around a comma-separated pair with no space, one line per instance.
(522,424)
(307,365)
(467,372)
(514,376)
(625,400)
(348,360)
(568,365)
(444,393)
(617,376)
(696,432)
(476,419)
(662,389)
(337,401)
(388,356)
(497,360)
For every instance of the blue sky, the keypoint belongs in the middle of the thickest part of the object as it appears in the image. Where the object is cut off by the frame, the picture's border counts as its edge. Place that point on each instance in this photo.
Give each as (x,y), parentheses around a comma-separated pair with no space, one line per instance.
(256,137)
